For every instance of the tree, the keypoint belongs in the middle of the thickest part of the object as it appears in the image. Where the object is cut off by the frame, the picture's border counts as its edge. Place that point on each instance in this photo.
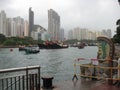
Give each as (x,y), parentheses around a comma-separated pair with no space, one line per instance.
(9,42)
(119,1)
(2,38)
(116,37)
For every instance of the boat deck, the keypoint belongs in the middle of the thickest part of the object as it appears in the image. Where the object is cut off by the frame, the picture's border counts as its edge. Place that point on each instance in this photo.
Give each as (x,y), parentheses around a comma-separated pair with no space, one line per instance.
(83,85)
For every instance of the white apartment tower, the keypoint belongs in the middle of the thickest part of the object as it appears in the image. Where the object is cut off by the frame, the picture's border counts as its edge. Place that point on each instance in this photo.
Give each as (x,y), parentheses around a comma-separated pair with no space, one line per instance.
(77,33)
(8,27)
(61,34)
(3,22)
(53,25)
(26,29)
(109,34)
(20,26)
(70,34)
(13,28)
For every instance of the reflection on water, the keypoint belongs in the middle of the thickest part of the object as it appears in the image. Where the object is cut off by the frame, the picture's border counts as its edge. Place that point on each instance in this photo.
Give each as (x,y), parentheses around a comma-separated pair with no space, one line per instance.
(57,62)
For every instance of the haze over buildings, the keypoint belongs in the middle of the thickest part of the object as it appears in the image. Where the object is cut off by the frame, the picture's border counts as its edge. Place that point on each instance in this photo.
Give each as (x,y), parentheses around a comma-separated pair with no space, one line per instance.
(95,15)
(86,34)
(19,27)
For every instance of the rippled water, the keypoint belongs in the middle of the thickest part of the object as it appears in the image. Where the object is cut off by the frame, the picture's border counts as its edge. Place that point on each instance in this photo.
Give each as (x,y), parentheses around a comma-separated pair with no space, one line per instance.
(57,62)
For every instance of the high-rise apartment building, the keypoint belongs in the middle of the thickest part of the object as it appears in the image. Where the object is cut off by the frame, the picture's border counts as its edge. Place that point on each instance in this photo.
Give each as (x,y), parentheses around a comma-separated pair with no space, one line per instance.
(61,34)
(70,34)
(98,34)
(31,21)
(8,27)
(77,33)
(53,25)
(3,22)
(26,28)
(109,33)
(85,34)
(19,26)
(13,28)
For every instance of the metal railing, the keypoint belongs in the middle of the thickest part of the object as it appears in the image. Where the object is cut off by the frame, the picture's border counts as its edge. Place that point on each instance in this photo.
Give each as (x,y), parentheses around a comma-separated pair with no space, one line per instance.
(100,71)
(23,78)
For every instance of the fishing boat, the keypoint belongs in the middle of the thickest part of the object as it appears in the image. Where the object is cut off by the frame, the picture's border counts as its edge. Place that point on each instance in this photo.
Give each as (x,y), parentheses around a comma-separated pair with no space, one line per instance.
(81,45)
(21,48)
(52,45)
(32,50)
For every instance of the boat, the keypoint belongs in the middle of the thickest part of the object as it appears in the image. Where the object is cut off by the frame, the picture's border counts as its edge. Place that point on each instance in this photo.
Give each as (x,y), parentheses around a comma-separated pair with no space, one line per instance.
(32,50)
(52,45)
(81,45)
(21,48)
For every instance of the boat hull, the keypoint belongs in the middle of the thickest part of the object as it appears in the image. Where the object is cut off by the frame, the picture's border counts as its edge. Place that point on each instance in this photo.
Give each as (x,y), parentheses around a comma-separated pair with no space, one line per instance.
(51,46)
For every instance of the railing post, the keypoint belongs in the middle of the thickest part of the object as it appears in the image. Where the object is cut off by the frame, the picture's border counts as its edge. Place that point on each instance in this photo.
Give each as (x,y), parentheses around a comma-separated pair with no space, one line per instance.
(15,82)
(19,83)
(23,83)
(11,83)
(36,81)
(7,82)
(2,84)
(110,64)
(32,81)
(26,78)
(38,78)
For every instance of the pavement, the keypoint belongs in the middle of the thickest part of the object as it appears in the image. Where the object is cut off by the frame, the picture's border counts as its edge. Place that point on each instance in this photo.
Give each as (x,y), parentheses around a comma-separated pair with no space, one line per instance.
(83,84)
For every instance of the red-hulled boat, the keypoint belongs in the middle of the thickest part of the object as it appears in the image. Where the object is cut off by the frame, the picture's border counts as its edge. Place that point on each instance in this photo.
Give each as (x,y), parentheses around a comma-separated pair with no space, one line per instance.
(52,45)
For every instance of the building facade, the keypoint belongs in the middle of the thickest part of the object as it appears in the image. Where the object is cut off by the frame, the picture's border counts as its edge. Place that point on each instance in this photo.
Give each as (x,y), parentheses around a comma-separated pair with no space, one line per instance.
(53,25)
(31,21)
(3,22)
(85,34)
(26,28)
(61,35)
(19,26)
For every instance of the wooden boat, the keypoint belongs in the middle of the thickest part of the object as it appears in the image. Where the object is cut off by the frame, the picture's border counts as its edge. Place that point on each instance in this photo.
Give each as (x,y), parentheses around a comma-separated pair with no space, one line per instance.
(51,45)
(81,45)
(32,50)
(21,48)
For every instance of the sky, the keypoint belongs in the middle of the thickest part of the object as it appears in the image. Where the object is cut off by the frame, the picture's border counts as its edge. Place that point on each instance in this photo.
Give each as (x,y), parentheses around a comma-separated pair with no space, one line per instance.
(90,14)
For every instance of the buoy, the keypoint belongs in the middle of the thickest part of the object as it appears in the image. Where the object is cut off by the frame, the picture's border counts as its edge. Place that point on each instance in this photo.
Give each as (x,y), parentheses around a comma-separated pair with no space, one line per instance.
(11,49)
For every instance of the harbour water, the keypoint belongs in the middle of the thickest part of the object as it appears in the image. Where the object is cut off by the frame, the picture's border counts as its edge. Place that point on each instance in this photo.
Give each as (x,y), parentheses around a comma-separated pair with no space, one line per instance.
(57,62)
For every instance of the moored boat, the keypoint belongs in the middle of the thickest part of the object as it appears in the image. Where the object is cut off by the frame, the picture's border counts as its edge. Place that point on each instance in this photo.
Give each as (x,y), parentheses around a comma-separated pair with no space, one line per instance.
(21,48)
(81,45)
(32,50)
(51,45)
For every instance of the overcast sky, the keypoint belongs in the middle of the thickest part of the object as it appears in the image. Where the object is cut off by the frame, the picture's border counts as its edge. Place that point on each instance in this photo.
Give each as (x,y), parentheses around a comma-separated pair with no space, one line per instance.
(91,14)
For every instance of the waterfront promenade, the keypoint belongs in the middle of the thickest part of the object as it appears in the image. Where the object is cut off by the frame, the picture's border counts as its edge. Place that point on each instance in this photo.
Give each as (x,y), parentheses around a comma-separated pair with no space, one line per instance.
(59,62)
(83,85)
